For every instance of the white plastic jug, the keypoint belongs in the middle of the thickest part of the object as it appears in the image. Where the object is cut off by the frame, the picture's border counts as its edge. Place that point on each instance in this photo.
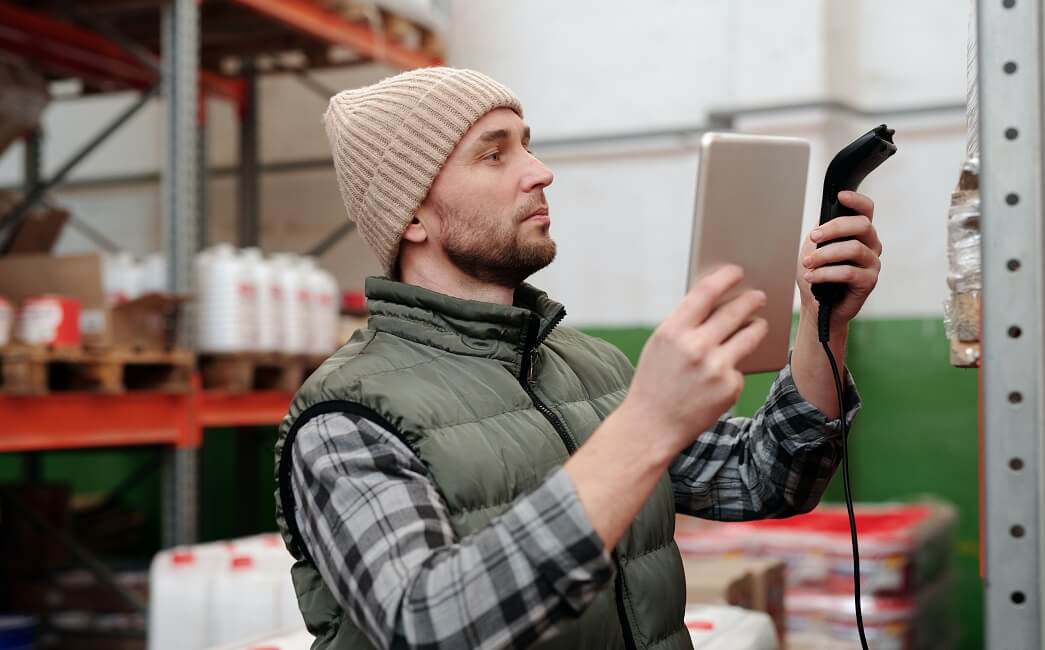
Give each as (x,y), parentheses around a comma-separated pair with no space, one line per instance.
(245,600)
(293,299)
(179,599)
(121,278)
(225,301)
(153,273)
(265,316)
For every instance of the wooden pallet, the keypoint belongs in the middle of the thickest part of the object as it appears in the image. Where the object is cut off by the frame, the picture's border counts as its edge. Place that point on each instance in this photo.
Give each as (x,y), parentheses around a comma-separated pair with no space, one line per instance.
(35,370)
(241,372)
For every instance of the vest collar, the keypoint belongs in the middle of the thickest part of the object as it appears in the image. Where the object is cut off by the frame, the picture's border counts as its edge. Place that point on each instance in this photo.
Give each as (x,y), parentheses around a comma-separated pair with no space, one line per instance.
(469,327)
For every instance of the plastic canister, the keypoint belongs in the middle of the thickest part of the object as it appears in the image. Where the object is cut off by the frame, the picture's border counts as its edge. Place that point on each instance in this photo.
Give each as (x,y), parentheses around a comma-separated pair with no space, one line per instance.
(259,271)
(7,321)
(320,301)
(224,295)
(271,557)
(333,312)
(49,320)
(292,303)
(153,273)
(179,599)
(245,600)
(121,278)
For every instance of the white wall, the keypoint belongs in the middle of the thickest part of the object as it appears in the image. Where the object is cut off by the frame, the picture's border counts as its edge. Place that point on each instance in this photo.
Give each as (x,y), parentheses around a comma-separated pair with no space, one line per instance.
(621,211)
(621,218)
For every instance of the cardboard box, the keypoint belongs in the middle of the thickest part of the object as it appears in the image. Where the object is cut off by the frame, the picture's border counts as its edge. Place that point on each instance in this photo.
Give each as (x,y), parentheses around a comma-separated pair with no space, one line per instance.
(769,584)
(756,584)
(146,323)
(714,582)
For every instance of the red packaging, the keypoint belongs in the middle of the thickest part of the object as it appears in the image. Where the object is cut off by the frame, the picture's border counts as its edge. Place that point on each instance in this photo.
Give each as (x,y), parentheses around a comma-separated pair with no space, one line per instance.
(49,320)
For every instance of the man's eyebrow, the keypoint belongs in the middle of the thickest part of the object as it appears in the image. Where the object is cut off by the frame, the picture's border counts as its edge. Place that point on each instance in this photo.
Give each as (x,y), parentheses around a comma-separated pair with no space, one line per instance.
(497,135)
(494,136)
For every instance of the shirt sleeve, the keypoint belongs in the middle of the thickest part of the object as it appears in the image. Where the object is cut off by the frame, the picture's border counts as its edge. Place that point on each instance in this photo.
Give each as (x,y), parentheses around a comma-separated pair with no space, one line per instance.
(776,463)
(379,533)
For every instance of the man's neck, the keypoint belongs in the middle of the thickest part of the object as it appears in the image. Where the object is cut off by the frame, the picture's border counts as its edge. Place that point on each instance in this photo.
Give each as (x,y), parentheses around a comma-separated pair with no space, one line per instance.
(452,282)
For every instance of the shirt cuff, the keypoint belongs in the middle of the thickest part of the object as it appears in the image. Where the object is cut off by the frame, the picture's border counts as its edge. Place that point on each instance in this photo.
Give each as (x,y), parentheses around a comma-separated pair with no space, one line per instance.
(554,532)
(799,419)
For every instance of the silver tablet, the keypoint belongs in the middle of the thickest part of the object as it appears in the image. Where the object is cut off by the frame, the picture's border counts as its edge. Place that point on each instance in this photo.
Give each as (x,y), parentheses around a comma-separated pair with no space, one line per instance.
(750,195)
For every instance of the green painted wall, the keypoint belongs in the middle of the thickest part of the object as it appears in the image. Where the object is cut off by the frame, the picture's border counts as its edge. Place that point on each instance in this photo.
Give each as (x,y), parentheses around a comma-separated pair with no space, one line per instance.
(917,435)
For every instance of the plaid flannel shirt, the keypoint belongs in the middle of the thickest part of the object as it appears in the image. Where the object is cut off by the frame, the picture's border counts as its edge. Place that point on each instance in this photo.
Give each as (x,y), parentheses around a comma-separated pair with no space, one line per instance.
(373,521)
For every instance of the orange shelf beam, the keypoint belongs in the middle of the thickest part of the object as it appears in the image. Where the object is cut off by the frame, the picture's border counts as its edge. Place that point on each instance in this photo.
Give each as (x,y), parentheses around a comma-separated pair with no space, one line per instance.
(65,48)
(81,420)
(219,409)
(310,18)
(77,420)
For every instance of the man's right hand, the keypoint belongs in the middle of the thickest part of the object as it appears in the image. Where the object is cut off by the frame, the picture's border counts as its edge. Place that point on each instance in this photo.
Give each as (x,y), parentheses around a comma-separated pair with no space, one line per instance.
(685,380)
(686,377)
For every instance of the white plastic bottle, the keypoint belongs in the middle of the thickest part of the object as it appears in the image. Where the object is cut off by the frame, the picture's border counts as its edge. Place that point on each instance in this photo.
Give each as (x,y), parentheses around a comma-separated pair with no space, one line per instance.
(153,273)
(335,312)
(245,600)
(121,278)
(223,313)
(260,273)
(294,302)
(179,600)
(317,323)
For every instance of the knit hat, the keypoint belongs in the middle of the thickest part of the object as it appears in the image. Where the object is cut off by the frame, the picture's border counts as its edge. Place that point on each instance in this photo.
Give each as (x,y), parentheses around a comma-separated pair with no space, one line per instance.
(389,141)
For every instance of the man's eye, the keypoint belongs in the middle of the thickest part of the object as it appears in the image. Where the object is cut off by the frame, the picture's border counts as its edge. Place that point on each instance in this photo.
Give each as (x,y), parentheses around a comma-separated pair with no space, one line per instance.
(495,156)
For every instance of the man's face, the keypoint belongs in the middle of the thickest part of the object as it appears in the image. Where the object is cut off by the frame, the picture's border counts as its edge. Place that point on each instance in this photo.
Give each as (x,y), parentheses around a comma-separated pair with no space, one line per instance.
(487,207)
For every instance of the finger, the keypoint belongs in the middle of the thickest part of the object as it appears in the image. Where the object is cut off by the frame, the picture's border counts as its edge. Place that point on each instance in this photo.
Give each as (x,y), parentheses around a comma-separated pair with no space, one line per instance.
(745,341)
(859,202)
(852,252)
(729,317)
(702,298)
(857,226)
(856,278)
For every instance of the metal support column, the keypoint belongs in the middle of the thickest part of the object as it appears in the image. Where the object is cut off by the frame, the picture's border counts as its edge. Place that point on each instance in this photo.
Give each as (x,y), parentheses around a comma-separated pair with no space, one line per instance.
(248,233)
(203,179)
(180,178)
(33,160)
(247,225)
(1011,187)
(32,163)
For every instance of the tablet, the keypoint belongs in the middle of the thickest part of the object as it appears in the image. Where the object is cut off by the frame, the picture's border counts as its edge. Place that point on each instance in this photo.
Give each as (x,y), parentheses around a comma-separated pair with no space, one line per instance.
(750,196)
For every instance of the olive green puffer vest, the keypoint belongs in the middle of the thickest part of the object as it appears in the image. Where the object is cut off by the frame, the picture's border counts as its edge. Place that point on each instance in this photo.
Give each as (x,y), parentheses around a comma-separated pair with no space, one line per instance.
(491,398)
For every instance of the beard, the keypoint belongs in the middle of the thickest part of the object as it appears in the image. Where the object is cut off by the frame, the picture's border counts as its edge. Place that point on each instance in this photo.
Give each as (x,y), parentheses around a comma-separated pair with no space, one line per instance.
(490,248)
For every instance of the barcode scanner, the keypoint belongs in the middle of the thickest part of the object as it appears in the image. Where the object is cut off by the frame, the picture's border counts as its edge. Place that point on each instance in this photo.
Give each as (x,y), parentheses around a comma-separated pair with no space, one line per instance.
(846,171)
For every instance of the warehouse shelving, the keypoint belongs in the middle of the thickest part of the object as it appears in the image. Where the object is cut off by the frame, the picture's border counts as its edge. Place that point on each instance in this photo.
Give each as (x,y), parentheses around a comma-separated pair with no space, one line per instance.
(178,50)
(80,420)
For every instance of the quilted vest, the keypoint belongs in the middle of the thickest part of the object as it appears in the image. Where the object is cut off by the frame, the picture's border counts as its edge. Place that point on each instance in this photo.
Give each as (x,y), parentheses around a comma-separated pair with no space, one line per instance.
(491,398)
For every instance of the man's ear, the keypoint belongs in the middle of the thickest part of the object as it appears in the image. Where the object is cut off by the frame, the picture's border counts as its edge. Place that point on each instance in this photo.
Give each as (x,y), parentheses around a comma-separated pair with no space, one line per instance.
(415,232)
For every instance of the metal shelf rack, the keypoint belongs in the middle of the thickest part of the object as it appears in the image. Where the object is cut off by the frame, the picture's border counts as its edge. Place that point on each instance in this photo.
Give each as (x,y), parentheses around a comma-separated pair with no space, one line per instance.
(181,51)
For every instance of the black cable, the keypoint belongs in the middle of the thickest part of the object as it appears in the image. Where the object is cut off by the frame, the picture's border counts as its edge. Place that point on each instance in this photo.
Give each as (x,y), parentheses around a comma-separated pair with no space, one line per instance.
(824,331)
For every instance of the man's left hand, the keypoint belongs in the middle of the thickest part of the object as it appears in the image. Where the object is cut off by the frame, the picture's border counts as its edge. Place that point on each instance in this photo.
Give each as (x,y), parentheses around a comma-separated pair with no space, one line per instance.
(858,259)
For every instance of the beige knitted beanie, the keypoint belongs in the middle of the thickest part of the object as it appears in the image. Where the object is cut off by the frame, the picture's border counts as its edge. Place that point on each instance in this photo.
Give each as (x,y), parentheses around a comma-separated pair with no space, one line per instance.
(389,141)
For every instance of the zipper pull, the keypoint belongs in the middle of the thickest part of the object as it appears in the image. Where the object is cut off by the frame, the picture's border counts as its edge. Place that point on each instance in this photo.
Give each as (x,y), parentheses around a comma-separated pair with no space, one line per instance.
(533,365)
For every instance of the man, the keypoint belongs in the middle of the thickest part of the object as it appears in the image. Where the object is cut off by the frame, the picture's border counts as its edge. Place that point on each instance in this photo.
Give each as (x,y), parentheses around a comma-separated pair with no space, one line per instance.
(468,473)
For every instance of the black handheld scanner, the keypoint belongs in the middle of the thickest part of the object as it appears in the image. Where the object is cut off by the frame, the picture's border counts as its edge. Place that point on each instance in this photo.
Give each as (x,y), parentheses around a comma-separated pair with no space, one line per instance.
(847,170)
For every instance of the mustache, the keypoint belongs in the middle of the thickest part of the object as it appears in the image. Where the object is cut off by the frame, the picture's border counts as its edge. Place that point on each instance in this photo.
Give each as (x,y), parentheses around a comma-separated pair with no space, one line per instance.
(537,203)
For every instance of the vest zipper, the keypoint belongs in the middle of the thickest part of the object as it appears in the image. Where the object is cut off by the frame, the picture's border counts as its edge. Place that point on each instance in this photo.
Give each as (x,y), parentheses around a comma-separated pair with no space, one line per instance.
(526,379)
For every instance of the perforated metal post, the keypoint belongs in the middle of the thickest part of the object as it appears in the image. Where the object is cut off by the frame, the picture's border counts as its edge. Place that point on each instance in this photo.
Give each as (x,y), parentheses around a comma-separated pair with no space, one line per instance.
(180,196)
(1011,184)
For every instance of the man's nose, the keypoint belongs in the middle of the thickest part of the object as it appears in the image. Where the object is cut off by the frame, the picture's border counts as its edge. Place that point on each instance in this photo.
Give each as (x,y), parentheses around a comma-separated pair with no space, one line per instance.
(538,175)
